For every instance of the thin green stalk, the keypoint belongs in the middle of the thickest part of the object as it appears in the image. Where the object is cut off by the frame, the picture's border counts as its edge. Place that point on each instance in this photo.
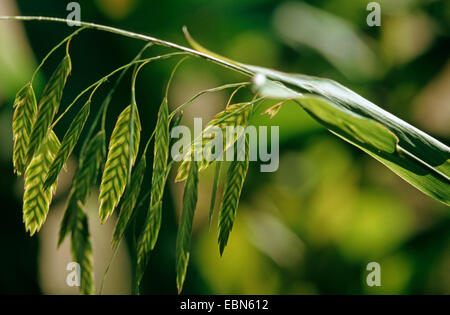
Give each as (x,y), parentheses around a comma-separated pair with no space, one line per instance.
(107,267)
(93,86)
(216,89)
(135,59)
(233,94)
(247,104)
(113,256)
(53,50)
(105,78)
(167,89)
(239,68)
(172,74)
(107,101)
(148,141)
(131,123)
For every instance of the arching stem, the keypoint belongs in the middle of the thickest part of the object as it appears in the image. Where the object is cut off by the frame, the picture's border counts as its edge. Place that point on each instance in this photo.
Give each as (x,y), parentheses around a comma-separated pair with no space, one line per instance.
(236,67)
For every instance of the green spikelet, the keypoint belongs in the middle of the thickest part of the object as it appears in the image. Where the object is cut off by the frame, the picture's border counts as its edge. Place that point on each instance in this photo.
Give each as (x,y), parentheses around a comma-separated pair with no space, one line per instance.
(233,116)
(116,169)
(23,119)
(82,250)
(36,200)
(149,234)
(185,228)
(69,219)
(68,143)
(129,201)
(147,239)
(49,104)
(230,201)
(89,168)
(212,203)
(84,180)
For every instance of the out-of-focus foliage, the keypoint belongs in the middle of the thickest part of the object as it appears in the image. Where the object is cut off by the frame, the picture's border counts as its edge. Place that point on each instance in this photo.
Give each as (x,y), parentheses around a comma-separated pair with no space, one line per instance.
(312,226)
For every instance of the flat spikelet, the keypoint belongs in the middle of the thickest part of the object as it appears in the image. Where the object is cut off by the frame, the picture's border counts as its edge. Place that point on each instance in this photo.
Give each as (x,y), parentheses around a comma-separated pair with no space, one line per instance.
(81,248)
(233,116)
(23,119)
(148,238)
(49,104)
(212,203)
(36,200)
(185,228)
(116,169)
(129,201)
(68,143)
(69,219)
(89,167)
(230,201)
(84,179)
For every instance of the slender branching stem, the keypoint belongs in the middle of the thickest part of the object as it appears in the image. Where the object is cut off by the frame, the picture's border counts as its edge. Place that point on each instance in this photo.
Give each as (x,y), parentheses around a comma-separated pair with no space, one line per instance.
(172,74)
(107,101)
(237,67)
(215,89)
(131,123)
(68,38)
(105,78)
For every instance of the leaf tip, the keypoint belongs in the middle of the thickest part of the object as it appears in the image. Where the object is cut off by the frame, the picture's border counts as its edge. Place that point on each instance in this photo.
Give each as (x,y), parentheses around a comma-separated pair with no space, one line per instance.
(186,32)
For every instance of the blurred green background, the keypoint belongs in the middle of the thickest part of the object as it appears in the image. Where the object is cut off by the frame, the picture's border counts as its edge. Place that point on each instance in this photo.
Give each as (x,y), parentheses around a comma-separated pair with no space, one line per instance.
(311,227)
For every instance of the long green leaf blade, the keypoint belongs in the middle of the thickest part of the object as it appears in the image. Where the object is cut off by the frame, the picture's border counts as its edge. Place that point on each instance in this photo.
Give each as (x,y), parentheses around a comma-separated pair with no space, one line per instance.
(417,157)
(36,200)
(420,159)
(68,143)
(23,119)
(49,104)
(115,175)
(185,228)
